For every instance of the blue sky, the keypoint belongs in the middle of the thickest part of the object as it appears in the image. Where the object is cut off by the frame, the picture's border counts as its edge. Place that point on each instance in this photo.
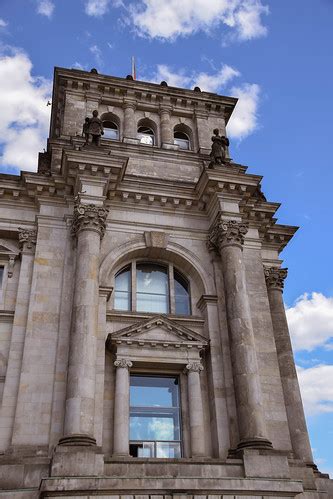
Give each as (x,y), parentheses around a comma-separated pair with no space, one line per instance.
(274,55)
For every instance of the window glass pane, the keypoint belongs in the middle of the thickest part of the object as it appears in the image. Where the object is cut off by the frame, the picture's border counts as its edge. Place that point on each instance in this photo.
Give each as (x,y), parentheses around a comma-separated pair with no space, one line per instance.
(146,135)
(152,391)
(122,299)
(149,426)
(110,130)
(183,144)
(2,269)
(152,288)
(182,295)
(168,449)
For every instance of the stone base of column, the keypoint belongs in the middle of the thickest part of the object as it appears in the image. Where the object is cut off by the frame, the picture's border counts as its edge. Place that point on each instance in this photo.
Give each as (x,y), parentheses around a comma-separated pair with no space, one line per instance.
(254,443)
(79,440)
(77,460)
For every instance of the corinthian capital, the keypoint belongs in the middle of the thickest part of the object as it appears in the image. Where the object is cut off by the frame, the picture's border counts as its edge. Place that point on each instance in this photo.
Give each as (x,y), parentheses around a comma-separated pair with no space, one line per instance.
(27,239)
(195,367)
(227,233)
(89,217)
(124,363)
(275,277)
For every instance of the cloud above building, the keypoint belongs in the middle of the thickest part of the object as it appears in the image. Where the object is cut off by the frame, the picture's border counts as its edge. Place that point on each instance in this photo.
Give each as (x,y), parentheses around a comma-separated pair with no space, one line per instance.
(240,19)
(24,115)
(45,8)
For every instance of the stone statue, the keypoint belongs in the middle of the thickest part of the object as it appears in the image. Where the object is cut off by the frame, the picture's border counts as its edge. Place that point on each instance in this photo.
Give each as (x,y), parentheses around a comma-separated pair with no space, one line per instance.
(218,152)
(93,129)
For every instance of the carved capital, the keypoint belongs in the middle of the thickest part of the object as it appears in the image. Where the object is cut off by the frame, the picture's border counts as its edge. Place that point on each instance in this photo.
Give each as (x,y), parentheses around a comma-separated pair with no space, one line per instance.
(275,277)
(124,363)
(195,367)
(89,217)
(227,233)
(27,239)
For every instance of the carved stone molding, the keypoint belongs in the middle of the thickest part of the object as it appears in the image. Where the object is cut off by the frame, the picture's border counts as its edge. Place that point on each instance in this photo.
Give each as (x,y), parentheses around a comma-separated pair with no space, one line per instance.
(27,239)
(124,363)
(227,233)
(89,217)
(275,277)
(196,367)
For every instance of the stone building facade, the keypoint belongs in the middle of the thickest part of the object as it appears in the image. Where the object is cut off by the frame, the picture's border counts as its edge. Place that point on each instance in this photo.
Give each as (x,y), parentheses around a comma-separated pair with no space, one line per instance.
(145,352)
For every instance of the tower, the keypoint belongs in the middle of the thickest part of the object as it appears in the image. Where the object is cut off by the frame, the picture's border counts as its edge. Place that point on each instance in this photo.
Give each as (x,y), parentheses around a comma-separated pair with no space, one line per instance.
(145,347)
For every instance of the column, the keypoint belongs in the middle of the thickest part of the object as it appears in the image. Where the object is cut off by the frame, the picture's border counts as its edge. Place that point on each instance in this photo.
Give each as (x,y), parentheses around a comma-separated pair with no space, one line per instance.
(121,408)
(292,396)
(130,131)
(228,237)
(27,242)
(166,132)
(195,409)
(88,227)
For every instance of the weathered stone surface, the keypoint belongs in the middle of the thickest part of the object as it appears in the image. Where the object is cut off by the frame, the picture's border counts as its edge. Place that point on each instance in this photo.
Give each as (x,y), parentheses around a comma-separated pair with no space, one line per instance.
(66,353)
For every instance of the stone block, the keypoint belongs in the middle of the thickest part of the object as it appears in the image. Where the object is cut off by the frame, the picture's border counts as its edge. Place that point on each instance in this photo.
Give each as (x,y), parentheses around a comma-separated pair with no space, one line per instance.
(77,461)
(258,464)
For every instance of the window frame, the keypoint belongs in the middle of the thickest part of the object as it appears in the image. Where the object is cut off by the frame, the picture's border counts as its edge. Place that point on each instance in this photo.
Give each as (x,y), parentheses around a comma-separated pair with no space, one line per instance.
(171,297)
(155,374)
(188,140)
(140,135)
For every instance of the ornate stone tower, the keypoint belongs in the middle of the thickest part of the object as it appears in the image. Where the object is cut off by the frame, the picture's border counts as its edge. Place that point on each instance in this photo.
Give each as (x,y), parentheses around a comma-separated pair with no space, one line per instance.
(144,347)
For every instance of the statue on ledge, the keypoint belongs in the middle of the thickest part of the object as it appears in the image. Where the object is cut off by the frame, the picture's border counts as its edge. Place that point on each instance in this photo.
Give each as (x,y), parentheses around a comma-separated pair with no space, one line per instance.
(93,129)
(218,152)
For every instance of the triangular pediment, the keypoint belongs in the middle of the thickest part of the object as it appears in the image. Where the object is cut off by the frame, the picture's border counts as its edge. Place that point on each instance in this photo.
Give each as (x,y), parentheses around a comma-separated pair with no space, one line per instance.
(8,248)
(156,331)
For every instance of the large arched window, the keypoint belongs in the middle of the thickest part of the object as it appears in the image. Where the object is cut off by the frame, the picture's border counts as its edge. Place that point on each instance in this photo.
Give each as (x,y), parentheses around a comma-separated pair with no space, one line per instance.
(151,287)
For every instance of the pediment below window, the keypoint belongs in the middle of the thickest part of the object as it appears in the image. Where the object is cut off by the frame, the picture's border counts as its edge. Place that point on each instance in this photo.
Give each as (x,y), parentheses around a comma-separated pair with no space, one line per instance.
(158,332)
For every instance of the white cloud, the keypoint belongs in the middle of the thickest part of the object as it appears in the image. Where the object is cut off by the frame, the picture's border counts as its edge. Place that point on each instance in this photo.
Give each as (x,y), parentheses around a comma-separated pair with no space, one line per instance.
(311,321)
(45,8)
(97,53)
(171,19)
(24,115)
(317,389)
(96,8)
(244,119)
(3,23)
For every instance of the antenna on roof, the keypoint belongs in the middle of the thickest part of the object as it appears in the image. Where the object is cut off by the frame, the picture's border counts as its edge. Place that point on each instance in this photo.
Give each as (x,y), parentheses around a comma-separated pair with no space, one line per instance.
(133,68)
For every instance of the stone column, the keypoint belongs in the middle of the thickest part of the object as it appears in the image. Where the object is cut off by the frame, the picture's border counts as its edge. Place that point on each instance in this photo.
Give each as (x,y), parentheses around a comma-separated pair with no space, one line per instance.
(121,408)
(166,132)
(27,242)
(130,131)
(195,409)
(88,227)
(228,237)
(292,396)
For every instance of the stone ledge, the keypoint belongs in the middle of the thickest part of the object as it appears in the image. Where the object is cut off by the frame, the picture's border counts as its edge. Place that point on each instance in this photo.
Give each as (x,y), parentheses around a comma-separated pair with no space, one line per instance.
(157,485)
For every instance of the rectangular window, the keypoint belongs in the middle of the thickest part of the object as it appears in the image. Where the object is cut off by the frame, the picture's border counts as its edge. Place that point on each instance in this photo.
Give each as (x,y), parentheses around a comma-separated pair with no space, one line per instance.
(154,416)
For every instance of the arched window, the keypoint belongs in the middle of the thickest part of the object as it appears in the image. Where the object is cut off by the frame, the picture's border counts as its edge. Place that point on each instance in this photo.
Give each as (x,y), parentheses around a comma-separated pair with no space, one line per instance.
(151,287)
(111,130)
(146,135)
(182,140)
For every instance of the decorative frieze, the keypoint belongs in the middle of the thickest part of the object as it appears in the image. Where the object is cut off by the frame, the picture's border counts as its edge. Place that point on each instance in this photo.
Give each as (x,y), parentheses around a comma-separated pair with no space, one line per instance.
(275,277)
(27,239)
(124,363)
(89,217)
(195,367)
(227,233)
